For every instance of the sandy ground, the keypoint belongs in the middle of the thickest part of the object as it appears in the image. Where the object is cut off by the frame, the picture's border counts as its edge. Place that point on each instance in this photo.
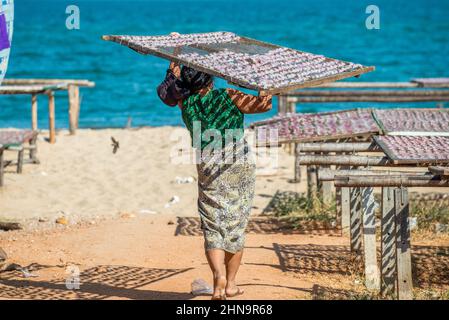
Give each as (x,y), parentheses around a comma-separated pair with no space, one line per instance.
(124,250)
(80,178)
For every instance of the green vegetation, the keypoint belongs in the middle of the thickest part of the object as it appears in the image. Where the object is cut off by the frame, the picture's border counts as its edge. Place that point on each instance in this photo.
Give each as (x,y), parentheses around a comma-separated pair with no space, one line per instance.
(427,215)
(297,207)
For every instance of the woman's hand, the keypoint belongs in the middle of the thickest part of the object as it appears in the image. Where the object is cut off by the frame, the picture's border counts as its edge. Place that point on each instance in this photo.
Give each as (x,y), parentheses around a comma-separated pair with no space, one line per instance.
(174,66)
(248,103)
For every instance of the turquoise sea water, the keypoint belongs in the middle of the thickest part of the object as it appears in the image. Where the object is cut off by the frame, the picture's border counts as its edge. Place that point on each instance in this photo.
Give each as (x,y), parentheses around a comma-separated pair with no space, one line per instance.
(413,42)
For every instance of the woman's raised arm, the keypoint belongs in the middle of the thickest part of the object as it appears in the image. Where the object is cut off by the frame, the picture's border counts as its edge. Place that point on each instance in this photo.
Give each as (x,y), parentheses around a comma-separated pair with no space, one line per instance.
(248,103)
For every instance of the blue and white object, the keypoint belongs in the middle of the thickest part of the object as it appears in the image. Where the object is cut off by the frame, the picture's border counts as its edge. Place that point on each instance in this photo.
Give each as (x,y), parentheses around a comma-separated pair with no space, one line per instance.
(6,31)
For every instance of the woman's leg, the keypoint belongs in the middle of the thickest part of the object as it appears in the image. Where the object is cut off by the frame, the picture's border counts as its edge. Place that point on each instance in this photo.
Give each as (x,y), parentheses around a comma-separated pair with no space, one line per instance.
(233,262)
(216,259)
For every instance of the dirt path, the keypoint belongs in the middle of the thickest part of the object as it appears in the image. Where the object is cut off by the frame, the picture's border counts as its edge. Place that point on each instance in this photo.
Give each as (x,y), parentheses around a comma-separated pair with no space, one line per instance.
(141,258)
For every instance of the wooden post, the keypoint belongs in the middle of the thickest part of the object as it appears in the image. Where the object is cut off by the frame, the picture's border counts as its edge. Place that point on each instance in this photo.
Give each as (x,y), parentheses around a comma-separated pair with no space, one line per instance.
(418,180)
(372,276)
(74,107)
(356,220)
(282,102)
(326,192)
(51,116)
(403,250)
(345,205)
(388,243)
(338,207)
(291,106)
(297,164)
(34,125)
(33,150)
(312,183)
(325,188)
(20,161)
(2,163)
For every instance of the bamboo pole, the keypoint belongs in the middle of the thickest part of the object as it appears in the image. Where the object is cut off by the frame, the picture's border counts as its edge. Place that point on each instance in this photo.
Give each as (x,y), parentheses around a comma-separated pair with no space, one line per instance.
(81,83)
(325,174)
(372,99)
(391,181)
(440,171)
(51,116)
(34,120)
(370,93)
(337,147)
(346,160)
(368,85)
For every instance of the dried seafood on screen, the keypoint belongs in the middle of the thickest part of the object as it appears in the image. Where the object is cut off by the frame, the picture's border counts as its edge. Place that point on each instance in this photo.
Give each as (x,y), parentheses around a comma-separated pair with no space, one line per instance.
(417,121)
(277,68)
(13,137)
(249,63)
(182,39)
(413,149)
(316,127)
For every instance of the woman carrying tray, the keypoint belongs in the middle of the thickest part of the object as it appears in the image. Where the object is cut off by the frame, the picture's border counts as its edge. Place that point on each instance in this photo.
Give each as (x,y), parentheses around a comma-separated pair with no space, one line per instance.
(226,170)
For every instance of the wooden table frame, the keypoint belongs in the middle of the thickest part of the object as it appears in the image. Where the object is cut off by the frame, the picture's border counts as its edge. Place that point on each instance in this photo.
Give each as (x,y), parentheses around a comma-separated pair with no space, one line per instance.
(34,91)
(72,86)
(20,148)
(394,276)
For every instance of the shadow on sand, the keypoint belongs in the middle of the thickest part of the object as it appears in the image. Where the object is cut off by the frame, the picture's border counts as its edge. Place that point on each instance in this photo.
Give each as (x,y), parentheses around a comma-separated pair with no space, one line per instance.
(97,283)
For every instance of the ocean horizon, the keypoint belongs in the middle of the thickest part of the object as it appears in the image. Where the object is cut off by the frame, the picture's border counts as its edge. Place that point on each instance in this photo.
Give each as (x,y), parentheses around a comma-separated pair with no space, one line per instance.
(412,42)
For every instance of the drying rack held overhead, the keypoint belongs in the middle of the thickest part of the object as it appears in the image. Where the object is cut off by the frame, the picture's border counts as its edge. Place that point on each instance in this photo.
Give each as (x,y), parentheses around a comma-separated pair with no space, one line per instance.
(245,62)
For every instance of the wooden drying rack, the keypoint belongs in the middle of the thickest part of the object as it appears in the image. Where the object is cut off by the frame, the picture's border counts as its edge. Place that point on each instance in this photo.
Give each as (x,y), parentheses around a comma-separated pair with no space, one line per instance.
(231,80)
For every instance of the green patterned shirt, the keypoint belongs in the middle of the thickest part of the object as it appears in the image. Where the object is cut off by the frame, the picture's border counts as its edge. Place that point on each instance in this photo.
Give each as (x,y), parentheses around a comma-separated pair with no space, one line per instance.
(216,113)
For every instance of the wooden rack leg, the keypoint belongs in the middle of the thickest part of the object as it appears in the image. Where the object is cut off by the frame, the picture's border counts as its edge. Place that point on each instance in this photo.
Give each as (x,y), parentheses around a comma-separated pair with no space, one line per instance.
(51,117)
(33,150)
(2,164)
(74,107)
(20,161)
(355,220)
(297,164)
(291,107)
(34,125)
(372,274)
(311,183)
(345,205)
(326,189)
(282,104)
(403,250)
(388,243)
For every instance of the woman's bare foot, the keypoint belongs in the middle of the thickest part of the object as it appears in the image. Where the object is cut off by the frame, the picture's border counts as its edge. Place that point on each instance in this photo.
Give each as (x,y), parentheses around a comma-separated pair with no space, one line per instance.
(232,290)
(219,288)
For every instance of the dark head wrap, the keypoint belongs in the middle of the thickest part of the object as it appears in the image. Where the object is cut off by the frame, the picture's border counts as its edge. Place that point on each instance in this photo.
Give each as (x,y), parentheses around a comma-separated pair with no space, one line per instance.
(172,90)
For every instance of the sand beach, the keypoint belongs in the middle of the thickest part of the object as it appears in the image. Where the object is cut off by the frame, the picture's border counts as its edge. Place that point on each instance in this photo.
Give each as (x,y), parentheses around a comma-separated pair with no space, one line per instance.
(127,245)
